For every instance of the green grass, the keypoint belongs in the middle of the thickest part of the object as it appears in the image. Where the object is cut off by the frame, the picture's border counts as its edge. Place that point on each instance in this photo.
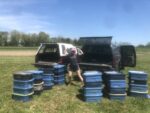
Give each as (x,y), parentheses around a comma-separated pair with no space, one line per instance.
(63,99)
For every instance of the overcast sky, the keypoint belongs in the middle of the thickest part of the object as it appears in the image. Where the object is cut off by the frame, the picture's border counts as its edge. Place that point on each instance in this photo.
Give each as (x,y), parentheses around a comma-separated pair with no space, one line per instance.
(125,20)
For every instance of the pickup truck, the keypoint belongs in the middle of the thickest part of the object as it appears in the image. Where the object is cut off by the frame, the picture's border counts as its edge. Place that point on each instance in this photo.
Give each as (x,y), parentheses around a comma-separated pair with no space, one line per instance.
(100,55)
(96,53)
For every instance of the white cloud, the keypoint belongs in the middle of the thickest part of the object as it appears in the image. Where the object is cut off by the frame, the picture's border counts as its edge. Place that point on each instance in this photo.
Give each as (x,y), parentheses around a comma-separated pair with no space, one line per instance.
(16,15)
(25,23)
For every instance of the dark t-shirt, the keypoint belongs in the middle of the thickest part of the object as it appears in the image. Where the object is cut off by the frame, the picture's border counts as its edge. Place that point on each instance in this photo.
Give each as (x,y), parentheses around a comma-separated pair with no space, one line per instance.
(73,62)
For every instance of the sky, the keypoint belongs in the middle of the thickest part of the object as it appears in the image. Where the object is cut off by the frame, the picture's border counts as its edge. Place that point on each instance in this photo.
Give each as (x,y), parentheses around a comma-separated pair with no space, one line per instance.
(125,20)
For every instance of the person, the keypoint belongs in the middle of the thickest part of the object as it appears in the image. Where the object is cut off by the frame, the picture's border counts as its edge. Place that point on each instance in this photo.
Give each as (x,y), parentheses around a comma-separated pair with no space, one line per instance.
(73,66)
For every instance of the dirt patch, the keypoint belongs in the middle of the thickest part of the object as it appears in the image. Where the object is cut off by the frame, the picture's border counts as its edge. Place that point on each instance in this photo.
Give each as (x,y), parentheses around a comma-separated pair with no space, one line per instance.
(18,53)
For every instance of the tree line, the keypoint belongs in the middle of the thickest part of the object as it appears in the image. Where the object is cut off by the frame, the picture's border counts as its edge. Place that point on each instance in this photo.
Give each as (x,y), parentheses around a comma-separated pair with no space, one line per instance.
(16,38)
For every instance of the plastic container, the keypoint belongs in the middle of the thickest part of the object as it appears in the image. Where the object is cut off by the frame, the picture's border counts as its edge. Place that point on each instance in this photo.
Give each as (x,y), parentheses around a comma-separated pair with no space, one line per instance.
(94,91)
(94,84)
(23,98)
(119,97)
(47,70)
(117,84)
(139,94)
(48,81)
(117,90)
(22,86)
(113,75)
(138,88)
(91,98)
(36,74)
(138,75)
(59,69)
(140,82)
(92,76)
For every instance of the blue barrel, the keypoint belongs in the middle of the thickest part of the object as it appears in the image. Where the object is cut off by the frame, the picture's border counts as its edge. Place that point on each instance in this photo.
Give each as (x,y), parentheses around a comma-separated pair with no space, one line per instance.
(22,86)
(38,81)
(139,94)
(48,81)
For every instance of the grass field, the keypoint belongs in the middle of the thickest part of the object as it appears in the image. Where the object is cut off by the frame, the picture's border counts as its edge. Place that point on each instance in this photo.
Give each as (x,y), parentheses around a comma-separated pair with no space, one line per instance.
(64,99)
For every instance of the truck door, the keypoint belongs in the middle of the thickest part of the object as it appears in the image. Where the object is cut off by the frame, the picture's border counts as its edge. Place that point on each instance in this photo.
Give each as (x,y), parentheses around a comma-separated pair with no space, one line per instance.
(128,56)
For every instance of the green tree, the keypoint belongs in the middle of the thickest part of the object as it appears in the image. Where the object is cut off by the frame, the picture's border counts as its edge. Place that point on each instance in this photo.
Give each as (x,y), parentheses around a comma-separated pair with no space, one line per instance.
(3,38)
(15,38)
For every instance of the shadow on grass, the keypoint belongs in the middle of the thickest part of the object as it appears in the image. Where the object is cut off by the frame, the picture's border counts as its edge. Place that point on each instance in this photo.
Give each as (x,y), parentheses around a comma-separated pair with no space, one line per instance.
(80,97)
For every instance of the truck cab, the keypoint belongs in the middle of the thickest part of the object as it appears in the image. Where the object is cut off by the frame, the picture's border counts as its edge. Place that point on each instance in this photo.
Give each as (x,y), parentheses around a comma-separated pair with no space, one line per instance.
(54,52)
(100,55)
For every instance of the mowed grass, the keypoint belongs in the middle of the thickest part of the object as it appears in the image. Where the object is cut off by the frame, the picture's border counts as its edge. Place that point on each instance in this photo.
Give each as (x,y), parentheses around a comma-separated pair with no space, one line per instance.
(64,99)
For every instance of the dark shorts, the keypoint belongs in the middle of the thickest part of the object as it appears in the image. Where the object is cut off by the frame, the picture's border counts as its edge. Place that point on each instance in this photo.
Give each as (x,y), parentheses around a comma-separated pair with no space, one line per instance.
(73,68)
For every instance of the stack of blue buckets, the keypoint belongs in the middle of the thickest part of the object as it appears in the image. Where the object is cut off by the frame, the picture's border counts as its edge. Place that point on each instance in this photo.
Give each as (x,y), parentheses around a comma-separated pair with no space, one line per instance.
(92,91)
(38,81)
(138,84)
(22,86)
(47,78)
(115,85)
(59,74)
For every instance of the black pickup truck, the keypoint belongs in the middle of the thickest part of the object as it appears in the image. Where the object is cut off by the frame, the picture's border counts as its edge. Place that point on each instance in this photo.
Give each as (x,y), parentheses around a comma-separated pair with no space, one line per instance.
(100,55)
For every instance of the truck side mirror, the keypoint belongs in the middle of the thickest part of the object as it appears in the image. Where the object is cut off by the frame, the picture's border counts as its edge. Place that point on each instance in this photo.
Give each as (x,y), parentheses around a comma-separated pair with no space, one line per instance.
(128,56)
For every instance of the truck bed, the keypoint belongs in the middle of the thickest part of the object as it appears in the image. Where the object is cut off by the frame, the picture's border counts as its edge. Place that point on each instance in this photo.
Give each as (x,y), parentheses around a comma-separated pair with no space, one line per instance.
(93,66)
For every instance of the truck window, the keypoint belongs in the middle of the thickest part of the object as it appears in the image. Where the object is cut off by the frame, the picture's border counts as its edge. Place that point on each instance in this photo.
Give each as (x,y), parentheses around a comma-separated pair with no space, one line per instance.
(42,49)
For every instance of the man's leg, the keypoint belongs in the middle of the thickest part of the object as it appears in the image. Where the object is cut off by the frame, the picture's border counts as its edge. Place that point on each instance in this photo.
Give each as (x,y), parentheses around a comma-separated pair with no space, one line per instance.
(79,75)
(69,77)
